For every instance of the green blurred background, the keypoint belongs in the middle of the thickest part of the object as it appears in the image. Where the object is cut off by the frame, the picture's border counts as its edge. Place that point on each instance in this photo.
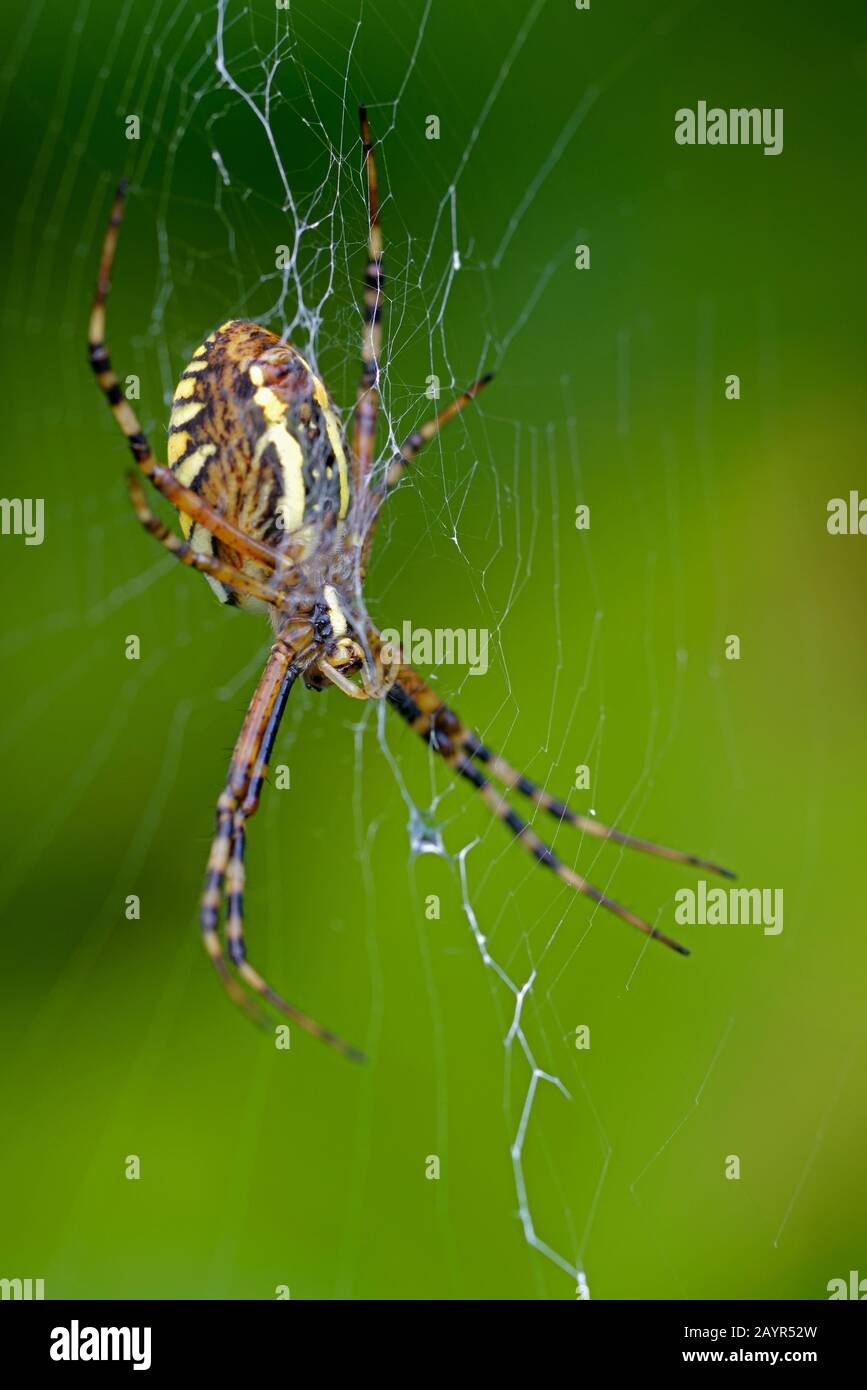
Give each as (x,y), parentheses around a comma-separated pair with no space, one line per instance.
(260,1167)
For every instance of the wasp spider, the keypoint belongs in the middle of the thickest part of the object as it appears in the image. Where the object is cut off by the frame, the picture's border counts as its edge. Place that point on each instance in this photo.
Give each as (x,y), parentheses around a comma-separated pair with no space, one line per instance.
(279,515)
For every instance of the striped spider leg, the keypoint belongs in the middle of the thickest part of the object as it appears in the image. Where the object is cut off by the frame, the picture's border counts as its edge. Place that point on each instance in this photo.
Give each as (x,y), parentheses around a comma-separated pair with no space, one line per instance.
(366,405)
(366,409)
(444,731)
(225,873)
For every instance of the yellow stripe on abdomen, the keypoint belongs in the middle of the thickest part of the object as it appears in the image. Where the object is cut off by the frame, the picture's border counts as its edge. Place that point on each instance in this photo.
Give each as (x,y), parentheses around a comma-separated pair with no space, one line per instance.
(291,462)
(191,465)
(332,429)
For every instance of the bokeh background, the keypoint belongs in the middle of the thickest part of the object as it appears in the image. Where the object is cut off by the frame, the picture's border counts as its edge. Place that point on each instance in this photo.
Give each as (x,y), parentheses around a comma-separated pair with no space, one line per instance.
(260,1167)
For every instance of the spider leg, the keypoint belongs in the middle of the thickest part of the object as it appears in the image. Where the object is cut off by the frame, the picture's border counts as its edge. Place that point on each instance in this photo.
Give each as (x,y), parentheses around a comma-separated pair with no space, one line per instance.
(236,946)
(417,440)
(214,568)
(364,428)
(516,781)
(162,477)
(225,873)
(367,402)
(410,448)
(448,736)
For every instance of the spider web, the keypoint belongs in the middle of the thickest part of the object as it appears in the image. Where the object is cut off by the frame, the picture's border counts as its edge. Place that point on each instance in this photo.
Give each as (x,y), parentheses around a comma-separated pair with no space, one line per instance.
(248,150)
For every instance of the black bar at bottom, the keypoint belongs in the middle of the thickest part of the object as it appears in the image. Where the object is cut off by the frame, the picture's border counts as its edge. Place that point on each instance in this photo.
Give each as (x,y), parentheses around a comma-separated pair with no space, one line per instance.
(68,1337)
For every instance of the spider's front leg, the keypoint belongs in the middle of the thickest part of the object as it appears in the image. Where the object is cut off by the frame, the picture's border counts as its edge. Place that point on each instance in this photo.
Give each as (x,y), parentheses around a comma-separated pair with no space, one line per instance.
(366,405)
(225,873)
(457,745)
(367,401)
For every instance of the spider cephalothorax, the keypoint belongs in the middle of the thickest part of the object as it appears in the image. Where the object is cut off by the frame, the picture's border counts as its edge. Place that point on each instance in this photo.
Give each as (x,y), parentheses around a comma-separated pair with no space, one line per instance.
(278,511)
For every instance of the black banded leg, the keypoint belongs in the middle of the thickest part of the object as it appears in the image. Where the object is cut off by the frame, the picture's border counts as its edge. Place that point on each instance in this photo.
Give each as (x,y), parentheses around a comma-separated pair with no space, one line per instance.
(209,912)
(235,942)
(442,729)
(366,409)
(366,406)
(225,873)
(509,777)
(544,855)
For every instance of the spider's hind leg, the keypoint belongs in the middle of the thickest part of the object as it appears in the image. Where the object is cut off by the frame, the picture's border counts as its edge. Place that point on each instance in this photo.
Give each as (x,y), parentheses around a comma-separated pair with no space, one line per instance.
(443,730)
(225,873)
(510,778)
(236,945)
(209,914)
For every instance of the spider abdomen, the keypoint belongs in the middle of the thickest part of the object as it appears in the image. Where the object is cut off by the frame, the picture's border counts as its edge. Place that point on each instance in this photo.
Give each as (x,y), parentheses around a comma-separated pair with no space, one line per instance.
(253,431)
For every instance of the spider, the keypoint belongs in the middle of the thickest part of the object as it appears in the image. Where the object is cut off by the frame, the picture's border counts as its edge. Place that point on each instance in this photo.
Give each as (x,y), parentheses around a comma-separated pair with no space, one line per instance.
(279,515)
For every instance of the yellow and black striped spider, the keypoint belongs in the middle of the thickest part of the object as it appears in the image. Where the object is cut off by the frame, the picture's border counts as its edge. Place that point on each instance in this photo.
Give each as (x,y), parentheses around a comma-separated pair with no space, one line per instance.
(280,517)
